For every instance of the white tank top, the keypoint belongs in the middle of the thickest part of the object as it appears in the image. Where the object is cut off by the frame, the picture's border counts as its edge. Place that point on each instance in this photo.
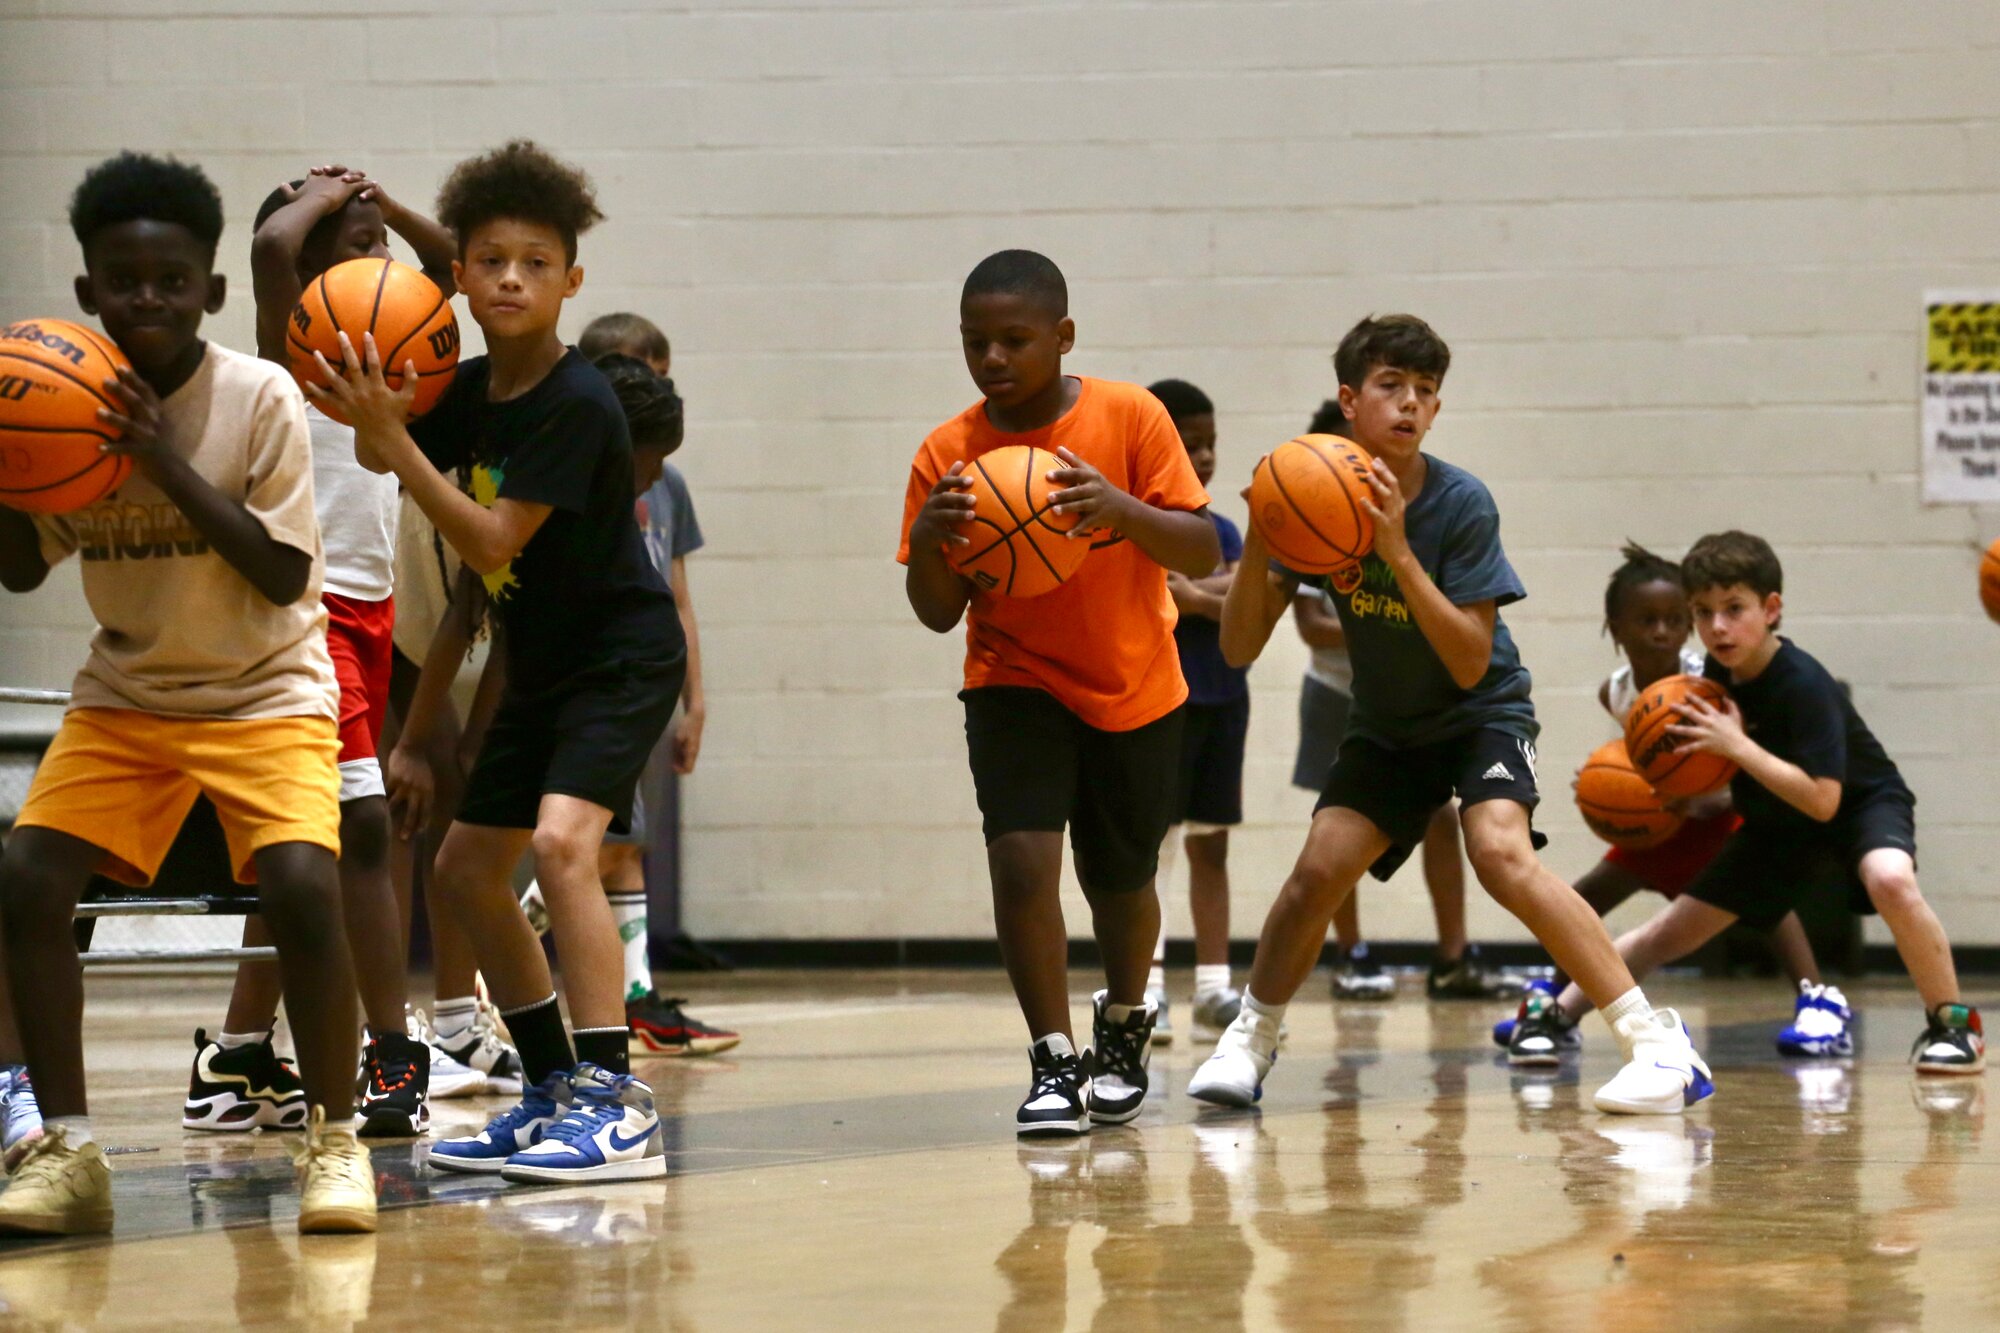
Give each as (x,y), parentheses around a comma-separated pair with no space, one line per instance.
(357,514)
(1623,694)
(1331,667)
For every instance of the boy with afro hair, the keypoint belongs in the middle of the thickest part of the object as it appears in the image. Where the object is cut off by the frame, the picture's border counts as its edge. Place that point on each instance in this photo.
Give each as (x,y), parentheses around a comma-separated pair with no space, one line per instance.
(595,655)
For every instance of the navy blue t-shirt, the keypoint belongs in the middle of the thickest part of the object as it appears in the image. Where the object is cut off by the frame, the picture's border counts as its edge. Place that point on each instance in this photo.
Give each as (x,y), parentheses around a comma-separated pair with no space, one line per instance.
(1403,696)
(1799,712)
(1210,679)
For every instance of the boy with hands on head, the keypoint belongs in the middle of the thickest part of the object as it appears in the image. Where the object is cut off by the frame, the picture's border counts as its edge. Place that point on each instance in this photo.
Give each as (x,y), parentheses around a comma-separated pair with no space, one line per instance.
(1441,708)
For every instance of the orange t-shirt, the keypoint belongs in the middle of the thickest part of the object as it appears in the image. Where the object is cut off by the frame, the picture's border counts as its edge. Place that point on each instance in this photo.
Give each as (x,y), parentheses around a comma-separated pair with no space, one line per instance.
(1103,643)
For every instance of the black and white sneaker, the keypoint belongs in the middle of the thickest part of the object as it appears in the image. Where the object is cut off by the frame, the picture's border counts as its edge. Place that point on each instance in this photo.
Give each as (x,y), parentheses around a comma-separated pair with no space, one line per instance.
(1953,1043)
(1123,1045)
(1058,1101)
(242,1088)
(395,1086)
(1541,1033)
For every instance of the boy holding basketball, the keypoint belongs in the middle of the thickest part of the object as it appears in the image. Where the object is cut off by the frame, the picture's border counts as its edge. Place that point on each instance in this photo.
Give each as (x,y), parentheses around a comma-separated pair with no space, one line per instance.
(1073,698)
(209,674)
(1208,795)
(1823,806)
(594,656)
(1441,708)
(304,228)
(1646,613)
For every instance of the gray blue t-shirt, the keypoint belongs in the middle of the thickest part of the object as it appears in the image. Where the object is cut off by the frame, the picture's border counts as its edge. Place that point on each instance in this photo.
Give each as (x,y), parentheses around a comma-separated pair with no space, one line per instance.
(671,530)
(1403,696)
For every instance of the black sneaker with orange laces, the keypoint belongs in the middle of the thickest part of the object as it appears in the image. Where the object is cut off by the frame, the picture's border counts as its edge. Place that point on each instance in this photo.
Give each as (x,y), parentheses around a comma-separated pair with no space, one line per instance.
(659,1025)
(395,1086)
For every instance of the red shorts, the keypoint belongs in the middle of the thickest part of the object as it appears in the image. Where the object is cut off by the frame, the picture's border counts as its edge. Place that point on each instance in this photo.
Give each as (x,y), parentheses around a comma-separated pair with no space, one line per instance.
(1672,866)
(358,638)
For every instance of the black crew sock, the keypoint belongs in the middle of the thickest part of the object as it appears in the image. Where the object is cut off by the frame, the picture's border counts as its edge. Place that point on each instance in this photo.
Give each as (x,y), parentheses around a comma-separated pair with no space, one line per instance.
(539,1037)
(610,1048)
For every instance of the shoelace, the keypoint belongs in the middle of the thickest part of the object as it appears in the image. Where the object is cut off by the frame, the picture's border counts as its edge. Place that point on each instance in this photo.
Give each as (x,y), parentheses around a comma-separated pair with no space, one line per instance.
(1119,1049)
(1060,1077)
(340,1152)
(588,1114)
(520,1114)
(37,1163)
(391,1072)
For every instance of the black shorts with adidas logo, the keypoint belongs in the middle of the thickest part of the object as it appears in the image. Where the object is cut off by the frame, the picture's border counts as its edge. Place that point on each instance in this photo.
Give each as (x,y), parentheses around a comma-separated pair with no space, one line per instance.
(1399,788)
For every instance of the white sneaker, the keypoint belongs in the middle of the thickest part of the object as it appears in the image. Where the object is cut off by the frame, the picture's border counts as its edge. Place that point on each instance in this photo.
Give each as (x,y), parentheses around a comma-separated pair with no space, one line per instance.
(480,1048)
(1662,1074)
(1214,1012)
(449,1077)
(1234,1075)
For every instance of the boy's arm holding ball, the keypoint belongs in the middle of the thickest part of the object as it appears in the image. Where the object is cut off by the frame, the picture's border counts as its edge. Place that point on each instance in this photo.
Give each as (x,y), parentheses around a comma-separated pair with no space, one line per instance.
(1256,600)
(276,570)
(1719,731)
(486,539)
(1184,541)
(1462,636)
(937,592)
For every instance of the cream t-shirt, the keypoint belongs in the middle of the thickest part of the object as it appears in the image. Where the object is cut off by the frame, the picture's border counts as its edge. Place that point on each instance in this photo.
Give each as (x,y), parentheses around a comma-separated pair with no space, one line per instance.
(180,632)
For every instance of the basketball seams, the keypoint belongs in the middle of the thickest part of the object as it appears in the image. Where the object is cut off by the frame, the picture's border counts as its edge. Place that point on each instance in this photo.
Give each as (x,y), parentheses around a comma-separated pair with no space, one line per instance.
(70,375)
(415,330)
(1340,483)
(17,428)
(76,476)
(375,306)
(1298,512)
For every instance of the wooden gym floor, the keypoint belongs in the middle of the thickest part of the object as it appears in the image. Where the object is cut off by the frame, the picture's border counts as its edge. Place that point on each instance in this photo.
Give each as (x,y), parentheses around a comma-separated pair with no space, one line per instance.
(852,1165)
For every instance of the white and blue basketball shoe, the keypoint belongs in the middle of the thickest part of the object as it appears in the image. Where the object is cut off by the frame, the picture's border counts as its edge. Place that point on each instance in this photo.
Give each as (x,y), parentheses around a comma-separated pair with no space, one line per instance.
(520,1126)
(1662,1075)
(609,1132)
(1819,1024)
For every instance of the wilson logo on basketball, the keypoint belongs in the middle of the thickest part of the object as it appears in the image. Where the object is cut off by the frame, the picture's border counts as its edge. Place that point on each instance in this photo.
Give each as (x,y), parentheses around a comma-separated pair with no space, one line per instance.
(14,388)
(32,333)
(302,319)
(444,342)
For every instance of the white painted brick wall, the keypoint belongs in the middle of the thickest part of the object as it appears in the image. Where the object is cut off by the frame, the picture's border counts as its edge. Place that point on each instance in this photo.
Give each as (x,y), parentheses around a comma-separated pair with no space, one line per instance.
(1678,250)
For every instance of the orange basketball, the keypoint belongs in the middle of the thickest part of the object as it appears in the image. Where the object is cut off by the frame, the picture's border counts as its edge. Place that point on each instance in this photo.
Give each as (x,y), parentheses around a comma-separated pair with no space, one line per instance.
(1619,804)
(1989,580)
(1306,496)
(52,458)
(1651,746)
(1018,548)
(409,316)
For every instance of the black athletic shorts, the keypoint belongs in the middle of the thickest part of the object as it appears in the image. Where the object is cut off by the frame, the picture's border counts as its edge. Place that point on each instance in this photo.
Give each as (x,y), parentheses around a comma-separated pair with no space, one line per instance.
(1399,789)
(588,737)
(1211,785)
(1761,873)
(1323,714)
(1038,768)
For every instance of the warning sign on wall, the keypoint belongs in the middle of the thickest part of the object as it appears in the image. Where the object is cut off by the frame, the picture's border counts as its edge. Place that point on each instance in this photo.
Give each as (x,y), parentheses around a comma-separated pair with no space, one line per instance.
(1961,388)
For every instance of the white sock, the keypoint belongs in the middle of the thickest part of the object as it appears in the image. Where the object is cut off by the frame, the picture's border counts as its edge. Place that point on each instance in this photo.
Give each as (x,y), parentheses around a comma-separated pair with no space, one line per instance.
(629,911)
(1631,1002)
(1210,978)
(453,1018)
(1265,1020)
(231,1041)
(75,1128)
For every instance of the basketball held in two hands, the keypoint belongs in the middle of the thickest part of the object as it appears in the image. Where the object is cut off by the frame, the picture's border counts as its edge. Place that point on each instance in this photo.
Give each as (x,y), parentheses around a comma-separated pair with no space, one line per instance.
(1656,751)
(411,319)
(1306,497)
(1017,546)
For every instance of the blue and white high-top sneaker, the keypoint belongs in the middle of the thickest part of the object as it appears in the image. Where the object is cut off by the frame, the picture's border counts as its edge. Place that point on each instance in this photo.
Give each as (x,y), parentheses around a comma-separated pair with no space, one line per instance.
(610,1132)
(1819,1024)
(520,1126)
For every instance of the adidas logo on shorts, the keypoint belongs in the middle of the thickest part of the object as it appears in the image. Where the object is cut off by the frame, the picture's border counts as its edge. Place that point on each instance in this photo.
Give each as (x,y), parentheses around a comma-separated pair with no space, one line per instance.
(1497,773)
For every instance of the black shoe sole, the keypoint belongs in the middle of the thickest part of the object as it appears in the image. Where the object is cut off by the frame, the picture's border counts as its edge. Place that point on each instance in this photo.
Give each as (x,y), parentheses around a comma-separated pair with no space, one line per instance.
(390,1123)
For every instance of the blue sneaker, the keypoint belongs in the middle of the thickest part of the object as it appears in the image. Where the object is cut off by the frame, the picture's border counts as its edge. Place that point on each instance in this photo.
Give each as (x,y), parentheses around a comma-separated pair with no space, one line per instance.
(1819,1024)
(20,1115)
(610,1132)
(521,1126)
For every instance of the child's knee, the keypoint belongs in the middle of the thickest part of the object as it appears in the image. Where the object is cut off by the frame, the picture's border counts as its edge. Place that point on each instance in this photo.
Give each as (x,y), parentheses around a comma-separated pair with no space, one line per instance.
(1893,889)
(364,832)
(1505,866)
(1209,849)
(562,851)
